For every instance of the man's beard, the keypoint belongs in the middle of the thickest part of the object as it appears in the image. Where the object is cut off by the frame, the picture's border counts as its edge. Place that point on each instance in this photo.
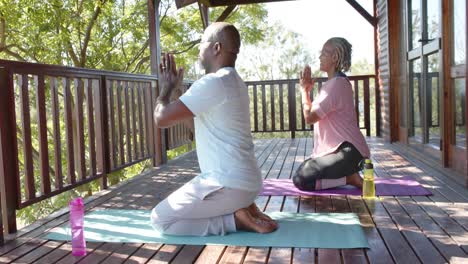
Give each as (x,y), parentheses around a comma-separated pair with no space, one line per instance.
(202,66)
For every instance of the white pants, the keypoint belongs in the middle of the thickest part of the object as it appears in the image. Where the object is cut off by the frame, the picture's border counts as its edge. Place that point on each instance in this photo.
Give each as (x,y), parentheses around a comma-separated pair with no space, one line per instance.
(200,209)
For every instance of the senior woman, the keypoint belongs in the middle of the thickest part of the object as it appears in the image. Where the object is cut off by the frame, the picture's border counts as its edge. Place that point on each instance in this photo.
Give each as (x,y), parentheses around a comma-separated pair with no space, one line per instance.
(339,145)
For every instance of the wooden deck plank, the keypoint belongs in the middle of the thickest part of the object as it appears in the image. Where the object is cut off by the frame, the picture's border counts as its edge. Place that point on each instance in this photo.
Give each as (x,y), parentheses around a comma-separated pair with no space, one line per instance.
(188,254)
(441,240)
(55,255)
(122,254)
(143,253)
(276,203)
(39,252)
(340,205)
(325,255)
(448,195)
(421,245)
(378,252)
(402,229)
(452,227)
(398,246)
(165,254)
(306,205)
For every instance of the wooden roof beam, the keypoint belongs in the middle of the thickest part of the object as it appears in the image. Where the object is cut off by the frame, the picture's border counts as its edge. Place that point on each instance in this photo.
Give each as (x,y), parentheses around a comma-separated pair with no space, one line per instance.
(226,13)
(204,14)
(210,3)
(371,19)
(182,3)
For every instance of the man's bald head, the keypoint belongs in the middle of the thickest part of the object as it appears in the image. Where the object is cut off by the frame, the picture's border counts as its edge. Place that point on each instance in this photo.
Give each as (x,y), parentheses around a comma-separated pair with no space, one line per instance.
(224,33)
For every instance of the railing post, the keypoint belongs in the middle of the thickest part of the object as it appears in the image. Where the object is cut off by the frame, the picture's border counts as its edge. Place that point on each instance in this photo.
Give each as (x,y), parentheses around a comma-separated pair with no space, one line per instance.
(159,136)
(9,171)
(367,107)
(102,132)
(378,112)
(292,108)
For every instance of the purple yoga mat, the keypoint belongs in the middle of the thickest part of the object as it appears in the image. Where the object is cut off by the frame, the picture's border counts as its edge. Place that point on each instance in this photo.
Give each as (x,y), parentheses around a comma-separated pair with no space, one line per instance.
(404,186)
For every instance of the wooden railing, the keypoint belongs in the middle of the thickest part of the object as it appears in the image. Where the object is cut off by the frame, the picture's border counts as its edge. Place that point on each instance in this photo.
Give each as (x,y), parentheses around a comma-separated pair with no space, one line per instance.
(180,134)
(276,105)
(61,127)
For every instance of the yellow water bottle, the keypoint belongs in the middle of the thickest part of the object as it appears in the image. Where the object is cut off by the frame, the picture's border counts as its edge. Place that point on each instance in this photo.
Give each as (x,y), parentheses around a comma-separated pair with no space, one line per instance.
(368,188)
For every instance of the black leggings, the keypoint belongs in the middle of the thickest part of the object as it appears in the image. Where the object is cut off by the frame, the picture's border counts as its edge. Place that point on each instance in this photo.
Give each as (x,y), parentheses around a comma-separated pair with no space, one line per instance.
(343,162)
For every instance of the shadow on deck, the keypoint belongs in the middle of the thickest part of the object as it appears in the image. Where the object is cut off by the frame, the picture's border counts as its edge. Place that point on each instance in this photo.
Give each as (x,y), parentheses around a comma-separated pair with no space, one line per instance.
(410,229)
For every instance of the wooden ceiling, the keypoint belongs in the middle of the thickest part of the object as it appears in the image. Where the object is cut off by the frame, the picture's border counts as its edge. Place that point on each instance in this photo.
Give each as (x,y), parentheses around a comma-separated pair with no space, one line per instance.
(182,3)
(204,4)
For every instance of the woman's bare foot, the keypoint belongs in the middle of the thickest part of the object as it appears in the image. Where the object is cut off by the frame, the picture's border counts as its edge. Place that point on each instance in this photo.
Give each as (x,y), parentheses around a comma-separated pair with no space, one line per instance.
(245,221)
(255,212)
(355,180)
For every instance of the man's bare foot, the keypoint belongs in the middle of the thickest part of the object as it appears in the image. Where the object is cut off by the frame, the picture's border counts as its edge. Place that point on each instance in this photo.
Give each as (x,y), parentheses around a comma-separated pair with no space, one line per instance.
(245,221)
(255,212)
(355,180)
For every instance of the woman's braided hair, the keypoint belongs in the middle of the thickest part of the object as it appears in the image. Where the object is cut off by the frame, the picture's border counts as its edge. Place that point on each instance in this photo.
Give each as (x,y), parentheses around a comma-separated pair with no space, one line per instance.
(343,50)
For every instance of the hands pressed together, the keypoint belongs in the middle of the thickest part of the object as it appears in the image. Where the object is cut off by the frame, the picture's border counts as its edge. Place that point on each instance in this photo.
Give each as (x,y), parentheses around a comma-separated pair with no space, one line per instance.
(170,79)
(305,79)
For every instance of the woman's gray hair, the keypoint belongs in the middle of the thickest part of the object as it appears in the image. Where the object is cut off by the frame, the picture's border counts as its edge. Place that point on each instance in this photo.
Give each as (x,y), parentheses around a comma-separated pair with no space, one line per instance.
(343,50)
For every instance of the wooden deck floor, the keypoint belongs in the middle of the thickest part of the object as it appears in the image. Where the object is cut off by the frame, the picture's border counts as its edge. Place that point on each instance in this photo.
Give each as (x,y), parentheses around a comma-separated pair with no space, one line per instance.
(399,229)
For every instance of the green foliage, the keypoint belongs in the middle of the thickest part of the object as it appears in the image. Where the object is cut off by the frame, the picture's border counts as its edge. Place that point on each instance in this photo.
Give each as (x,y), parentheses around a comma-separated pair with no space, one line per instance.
(109,34)
(174,153)
(281,55)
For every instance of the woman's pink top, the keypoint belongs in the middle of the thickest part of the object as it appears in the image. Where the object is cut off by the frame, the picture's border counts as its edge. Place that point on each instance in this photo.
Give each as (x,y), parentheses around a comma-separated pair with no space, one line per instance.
(335,107)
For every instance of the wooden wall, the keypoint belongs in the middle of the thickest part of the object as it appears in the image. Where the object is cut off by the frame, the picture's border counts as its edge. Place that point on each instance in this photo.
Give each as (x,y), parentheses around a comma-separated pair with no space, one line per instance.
(384,68)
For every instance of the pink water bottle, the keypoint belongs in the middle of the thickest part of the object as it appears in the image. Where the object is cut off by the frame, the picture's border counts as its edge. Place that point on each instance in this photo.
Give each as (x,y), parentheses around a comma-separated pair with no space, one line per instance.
(77,227)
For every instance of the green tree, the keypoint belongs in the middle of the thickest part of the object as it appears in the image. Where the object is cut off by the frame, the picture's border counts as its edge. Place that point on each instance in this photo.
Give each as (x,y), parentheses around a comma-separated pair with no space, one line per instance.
(281,55)
(108,34)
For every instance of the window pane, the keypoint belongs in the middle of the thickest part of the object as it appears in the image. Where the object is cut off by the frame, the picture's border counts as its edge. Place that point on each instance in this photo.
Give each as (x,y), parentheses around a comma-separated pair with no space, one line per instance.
(459,25)
(433,9)
(433,99)
(416,101)
(415,23)
(460,118)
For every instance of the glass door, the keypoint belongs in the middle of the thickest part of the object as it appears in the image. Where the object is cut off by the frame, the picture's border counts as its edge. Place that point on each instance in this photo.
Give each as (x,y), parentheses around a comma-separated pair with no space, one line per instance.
(424,64)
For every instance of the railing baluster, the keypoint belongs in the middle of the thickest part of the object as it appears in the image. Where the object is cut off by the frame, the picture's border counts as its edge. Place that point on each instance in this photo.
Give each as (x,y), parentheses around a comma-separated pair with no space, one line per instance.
(30,190)
(272,102)
(255,108)
(56,136)
(79,89)
(90,112)
(356,102)
(140,121)
(120,123)
(281,112)
(148,117)
(113,142)
(69,131)
(264,106)
(43,144)
(134,121)
(127,124)
(367,107)
(292,108)
(378,113)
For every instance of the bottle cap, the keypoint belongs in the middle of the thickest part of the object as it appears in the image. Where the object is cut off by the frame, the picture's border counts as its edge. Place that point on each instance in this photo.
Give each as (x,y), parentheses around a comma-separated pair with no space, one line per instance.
(368,164)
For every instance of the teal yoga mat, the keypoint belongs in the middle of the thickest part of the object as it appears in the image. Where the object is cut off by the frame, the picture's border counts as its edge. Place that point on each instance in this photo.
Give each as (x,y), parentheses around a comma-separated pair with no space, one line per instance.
(305,230)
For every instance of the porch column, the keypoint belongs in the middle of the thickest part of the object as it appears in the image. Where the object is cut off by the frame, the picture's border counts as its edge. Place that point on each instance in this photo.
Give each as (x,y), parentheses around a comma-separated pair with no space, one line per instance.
(159,135)
(9,178)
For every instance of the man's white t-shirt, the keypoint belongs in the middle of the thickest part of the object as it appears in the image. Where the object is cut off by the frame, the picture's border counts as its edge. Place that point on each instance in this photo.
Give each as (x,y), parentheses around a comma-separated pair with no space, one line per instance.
(220,103)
